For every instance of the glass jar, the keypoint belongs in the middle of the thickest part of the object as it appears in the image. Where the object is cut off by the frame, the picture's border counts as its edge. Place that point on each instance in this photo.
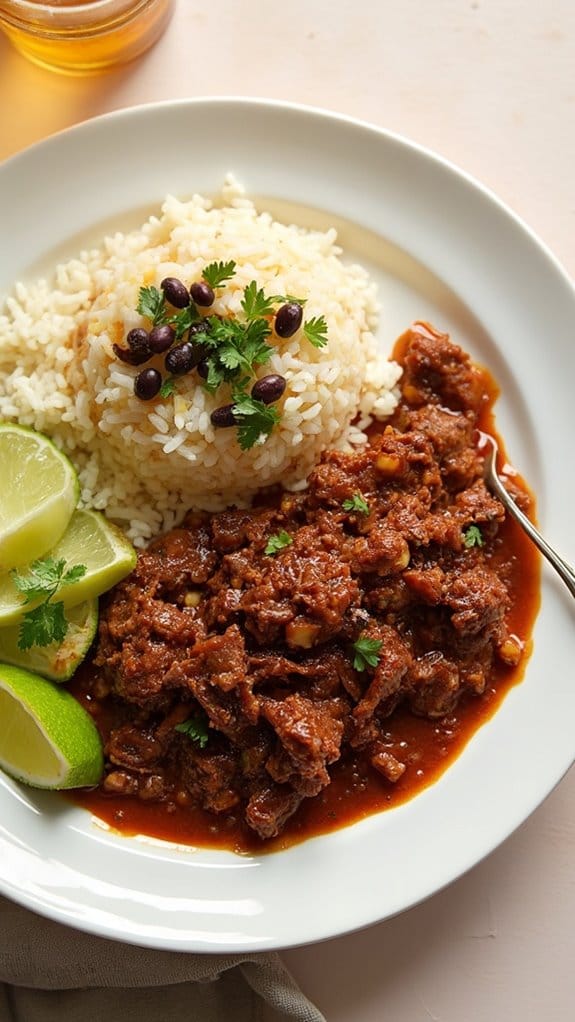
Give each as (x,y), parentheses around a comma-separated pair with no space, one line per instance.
(83,36)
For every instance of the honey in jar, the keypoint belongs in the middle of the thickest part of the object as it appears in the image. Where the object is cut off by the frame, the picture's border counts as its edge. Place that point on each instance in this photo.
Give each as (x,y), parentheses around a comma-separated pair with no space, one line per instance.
(83,36)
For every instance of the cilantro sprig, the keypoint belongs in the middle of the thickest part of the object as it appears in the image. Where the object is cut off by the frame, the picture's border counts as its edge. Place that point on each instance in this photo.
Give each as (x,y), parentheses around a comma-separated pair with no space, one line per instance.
(45,623)
(217,273)
(366,652)
(356,503)
(195,728)
(315,330)
(278,542)
(234,348)
(152,305)
(256,420)
(473,537)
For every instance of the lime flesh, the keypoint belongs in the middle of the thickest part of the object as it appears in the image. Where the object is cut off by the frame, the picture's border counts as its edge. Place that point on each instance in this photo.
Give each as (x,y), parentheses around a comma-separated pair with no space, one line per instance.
(89,540)
(46,738)
(38,493)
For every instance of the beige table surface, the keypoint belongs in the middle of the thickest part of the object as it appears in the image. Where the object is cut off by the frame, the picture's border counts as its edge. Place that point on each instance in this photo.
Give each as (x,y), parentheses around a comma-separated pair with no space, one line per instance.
(489,84)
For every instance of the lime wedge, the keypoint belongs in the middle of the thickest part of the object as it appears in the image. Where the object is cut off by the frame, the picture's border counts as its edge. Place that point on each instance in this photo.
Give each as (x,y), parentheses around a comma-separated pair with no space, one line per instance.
(39,491)
(58,661)
(89,540)
(46,738)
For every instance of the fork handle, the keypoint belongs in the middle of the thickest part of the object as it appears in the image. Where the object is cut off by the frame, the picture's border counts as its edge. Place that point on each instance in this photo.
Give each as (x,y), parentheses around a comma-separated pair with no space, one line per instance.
(561,567)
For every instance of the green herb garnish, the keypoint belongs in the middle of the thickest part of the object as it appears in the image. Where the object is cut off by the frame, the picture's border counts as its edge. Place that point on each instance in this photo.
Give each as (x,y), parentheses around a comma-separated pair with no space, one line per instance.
(255,303)
(195,728)
(356,503)
(316,331)
(256,420)
(472,537)
(366,652)
(216,274)
(152,304)
(183,320)
(278,542)
(47,622)
(168,386)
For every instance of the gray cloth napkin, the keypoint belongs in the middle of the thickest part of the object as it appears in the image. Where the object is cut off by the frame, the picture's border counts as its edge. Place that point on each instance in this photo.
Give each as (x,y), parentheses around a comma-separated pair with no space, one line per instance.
(50,973)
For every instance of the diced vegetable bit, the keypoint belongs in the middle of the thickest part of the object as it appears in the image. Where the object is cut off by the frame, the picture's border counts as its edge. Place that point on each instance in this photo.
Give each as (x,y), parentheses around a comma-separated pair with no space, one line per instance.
(278,542)
(302,634)
(389,465)
(366,652)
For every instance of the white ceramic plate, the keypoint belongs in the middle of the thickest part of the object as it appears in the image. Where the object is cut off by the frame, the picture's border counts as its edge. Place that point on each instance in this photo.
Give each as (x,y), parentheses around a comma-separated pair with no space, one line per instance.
(441,248)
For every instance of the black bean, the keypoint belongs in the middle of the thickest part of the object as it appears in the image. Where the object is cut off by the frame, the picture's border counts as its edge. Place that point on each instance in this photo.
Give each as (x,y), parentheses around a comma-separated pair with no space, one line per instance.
(180,359)
(203,327)
(203,369)
(138,339)
(131,358)
(202,293)
(223,417)
(269,388)
(288,319)
(161,338)
(176,293)
(147,384)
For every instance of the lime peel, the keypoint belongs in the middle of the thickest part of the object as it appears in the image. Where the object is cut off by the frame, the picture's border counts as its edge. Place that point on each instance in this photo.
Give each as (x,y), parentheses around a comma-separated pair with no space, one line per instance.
(46,738)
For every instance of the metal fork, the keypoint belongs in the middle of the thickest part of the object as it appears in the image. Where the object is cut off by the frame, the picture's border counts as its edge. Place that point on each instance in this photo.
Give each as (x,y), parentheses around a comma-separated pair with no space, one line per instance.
(488,446)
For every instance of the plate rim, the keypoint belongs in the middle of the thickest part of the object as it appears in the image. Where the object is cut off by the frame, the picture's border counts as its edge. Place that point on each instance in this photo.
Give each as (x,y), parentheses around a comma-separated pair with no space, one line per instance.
(141,111)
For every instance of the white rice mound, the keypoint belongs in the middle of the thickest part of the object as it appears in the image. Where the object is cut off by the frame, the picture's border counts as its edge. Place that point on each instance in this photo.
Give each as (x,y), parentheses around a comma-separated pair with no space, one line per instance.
(146,463)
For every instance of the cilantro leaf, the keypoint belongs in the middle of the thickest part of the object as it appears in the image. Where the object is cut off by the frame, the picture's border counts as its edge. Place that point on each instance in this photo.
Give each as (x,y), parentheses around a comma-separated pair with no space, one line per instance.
(152,304)
(366,652)
(42,580)
(356,503)
(234,347)
(278,542)
(256,420)
(182,320)
(42,626)
(74,574)
(255,304)
(315,330)
(255,349)
(46,623)
(472,537)
(195,728)
(216,274)
(168,386)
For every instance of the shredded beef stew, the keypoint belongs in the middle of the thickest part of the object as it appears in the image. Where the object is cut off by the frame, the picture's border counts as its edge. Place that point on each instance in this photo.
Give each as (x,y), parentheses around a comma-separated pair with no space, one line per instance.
(253,654)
